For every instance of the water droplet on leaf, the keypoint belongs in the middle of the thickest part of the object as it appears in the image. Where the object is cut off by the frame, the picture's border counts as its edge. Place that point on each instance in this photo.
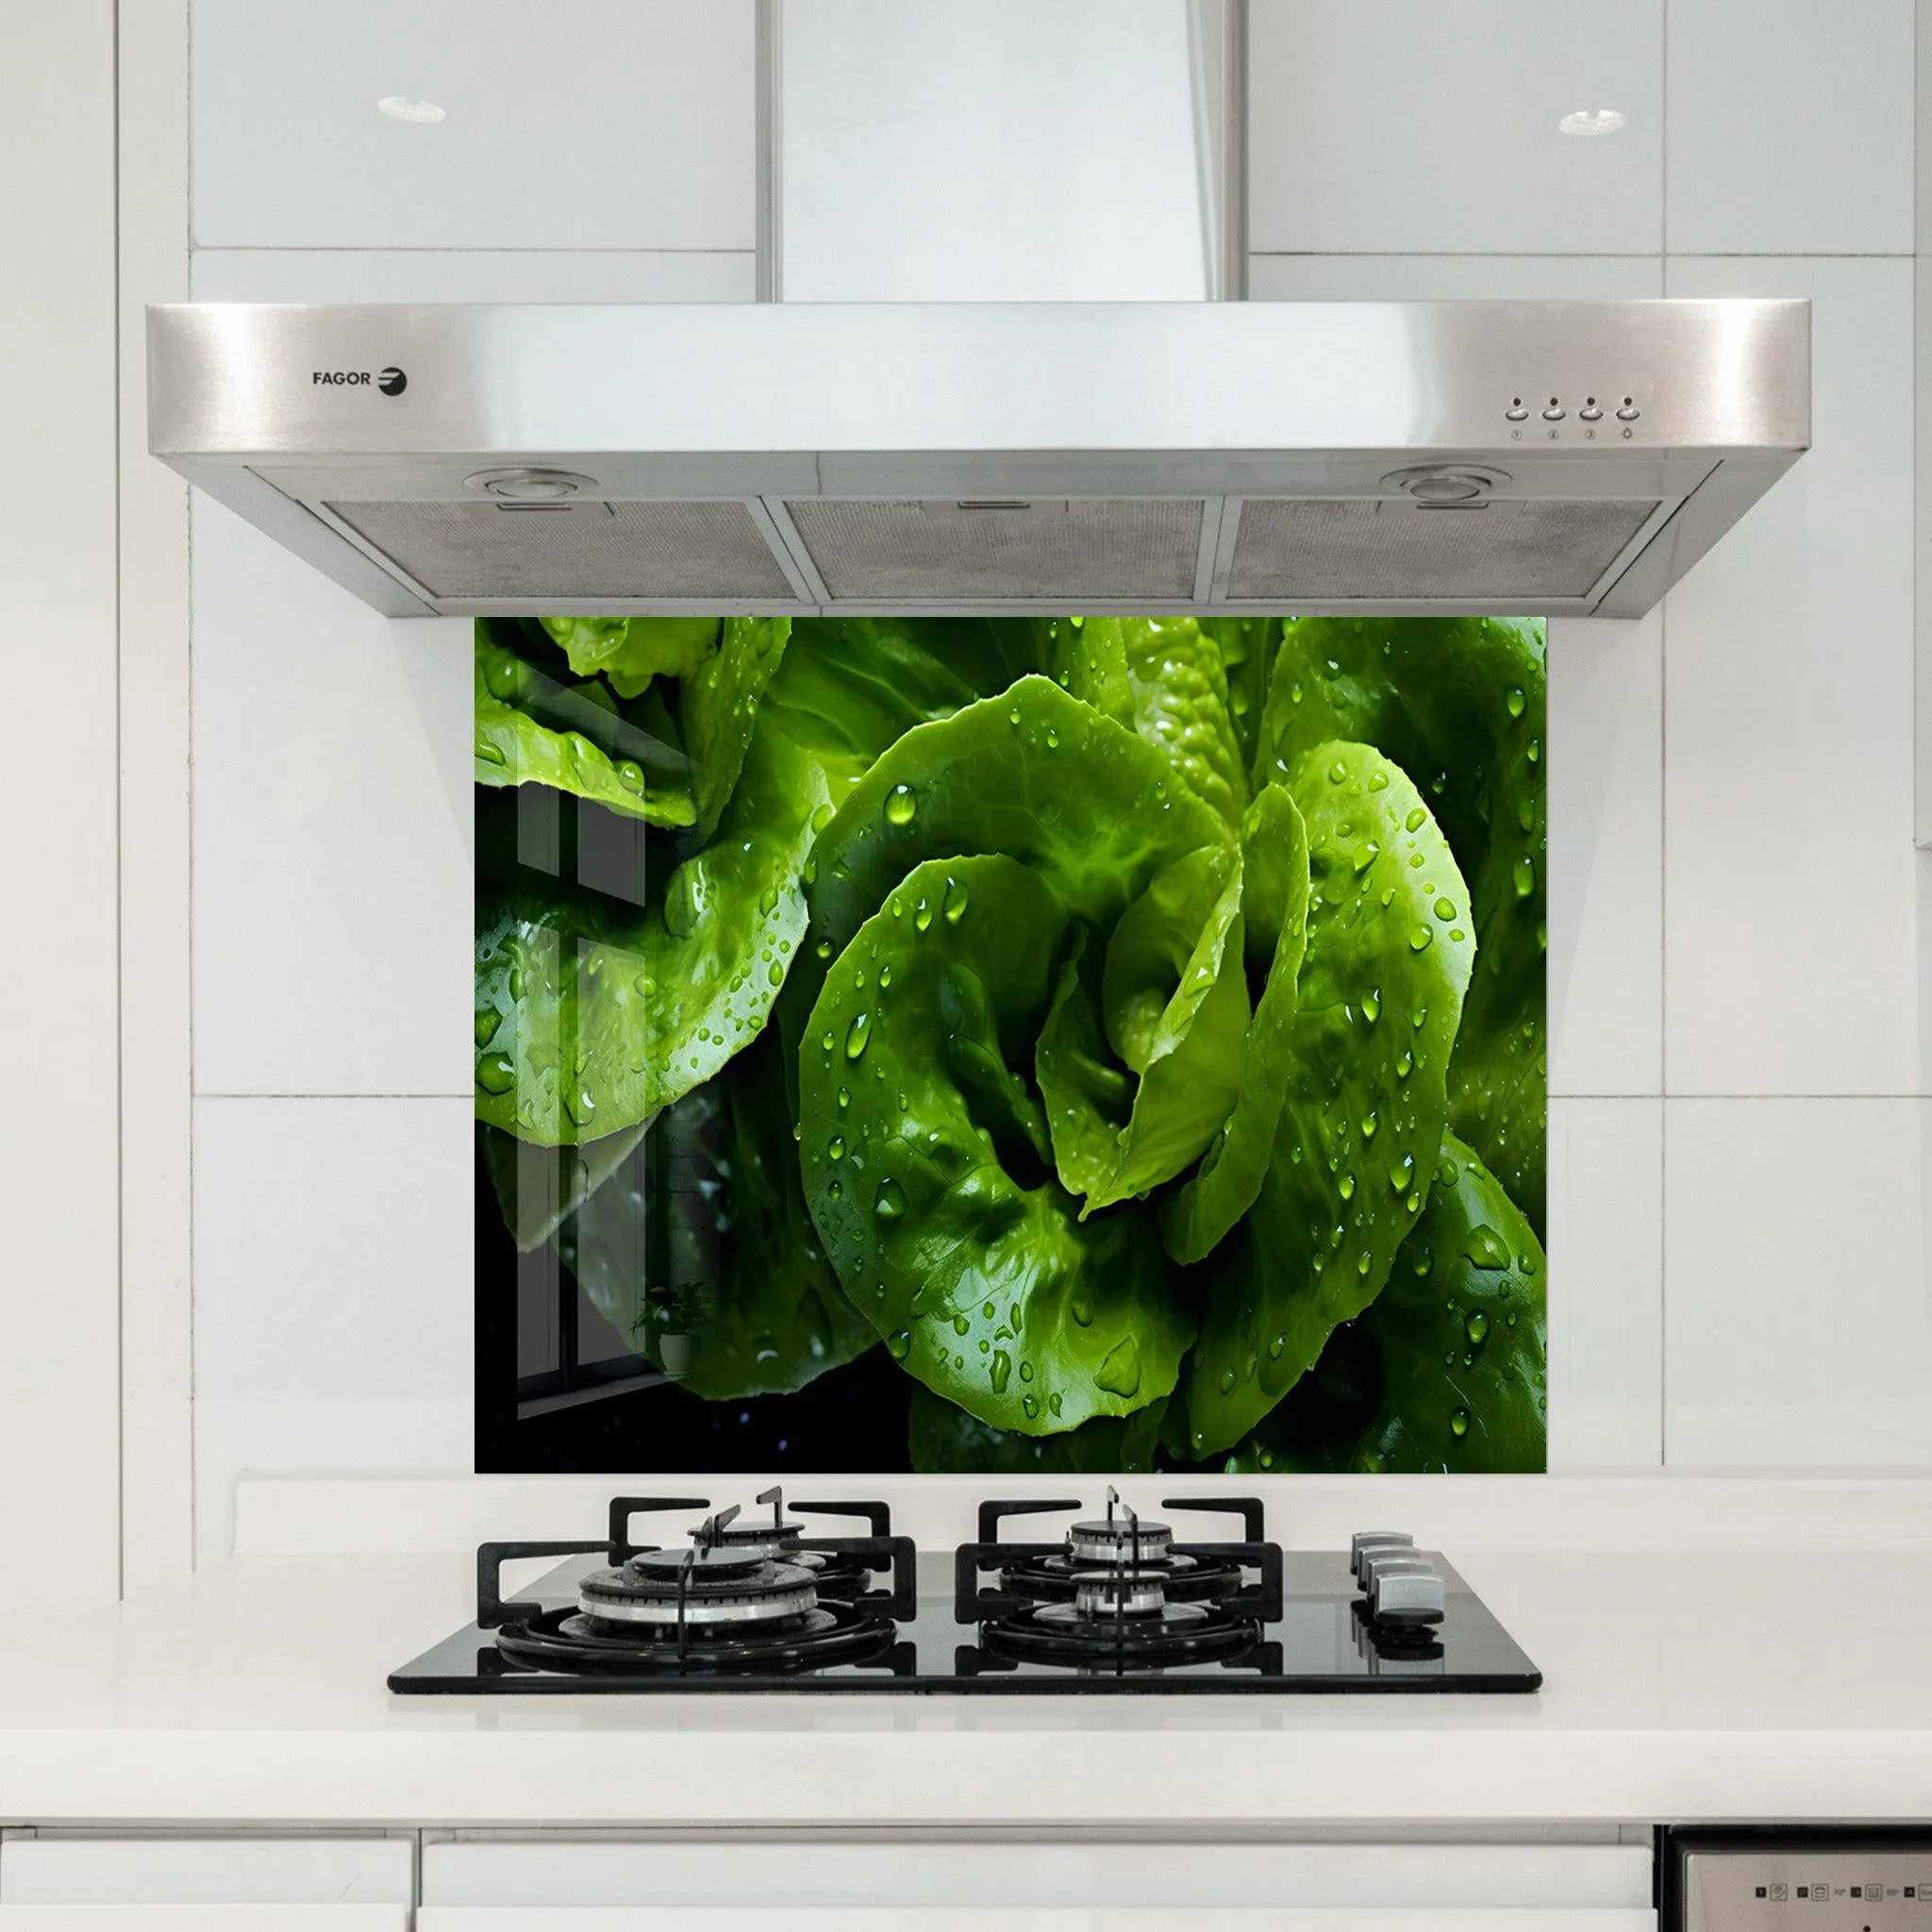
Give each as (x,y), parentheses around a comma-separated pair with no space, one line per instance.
(497,1072)
(1120,1373)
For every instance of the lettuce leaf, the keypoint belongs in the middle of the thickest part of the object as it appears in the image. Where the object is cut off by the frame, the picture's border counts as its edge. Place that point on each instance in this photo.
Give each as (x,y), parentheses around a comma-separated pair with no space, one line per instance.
(1379,999)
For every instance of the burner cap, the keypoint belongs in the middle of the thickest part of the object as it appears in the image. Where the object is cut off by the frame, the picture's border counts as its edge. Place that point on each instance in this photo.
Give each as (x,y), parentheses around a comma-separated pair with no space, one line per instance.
(1118,1593)
(1113,1541)
(707,1565)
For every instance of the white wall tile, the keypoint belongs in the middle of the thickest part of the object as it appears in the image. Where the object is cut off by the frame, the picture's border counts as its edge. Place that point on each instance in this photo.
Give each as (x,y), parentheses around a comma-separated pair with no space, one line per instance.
(1452,277)
(1791,887)
(1401,125)
(333,1291)
(1606,1253)
(1798,1322)
(578,123)
(1790,128)
(1606,873)
(332,831)
(451,274)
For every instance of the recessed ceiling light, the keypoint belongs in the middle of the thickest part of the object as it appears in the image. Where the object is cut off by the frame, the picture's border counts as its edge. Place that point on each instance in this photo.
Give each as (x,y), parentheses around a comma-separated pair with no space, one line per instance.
(1586,120)
(425,112)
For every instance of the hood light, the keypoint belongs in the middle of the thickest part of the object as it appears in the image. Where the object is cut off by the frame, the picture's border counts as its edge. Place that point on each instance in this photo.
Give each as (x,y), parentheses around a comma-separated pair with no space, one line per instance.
(1443,486)
(424,113)
(1588,122)
(529,486)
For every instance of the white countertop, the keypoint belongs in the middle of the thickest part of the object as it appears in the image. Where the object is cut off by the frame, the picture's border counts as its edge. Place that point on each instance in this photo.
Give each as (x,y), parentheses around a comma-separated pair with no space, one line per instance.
(1676,1685)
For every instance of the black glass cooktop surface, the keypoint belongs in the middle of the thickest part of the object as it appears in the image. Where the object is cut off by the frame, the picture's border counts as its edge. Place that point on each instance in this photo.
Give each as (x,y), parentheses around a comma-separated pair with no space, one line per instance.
(799,1613)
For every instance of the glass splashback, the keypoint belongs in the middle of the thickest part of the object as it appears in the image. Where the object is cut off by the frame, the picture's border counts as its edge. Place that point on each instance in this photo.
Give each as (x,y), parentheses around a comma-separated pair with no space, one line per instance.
(981,1046)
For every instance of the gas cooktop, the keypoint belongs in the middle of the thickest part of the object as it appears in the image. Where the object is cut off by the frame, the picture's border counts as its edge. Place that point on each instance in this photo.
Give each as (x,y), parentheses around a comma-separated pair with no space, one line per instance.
(1115,1601)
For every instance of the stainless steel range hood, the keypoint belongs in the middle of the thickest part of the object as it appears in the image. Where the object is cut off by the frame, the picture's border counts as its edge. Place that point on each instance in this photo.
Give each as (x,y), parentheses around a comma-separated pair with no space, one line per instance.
(1527,457)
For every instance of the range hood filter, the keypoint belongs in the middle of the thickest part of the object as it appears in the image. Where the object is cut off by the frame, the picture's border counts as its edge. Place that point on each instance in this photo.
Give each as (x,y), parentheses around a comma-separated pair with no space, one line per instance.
(565,551)
(1520,554)
(1111,550)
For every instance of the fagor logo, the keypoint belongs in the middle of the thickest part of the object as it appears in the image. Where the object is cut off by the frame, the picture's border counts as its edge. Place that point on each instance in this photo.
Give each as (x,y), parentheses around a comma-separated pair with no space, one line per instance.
(392,381)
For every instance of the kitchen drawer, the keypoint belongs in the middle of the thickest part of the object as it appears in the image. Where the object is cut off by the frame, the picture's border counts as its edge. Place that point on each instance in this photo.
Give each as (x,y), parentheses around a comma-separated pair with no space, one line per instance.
(1575,1888)
(183,1918)
(61,1872)
(771,1918)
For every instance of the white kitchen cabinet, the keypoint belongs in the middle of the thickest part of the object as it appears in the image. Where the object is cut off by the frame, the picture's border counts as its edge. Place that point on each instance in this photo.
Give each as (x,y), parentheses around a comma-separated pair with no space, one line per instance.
(246,1883)
(578,123)
(203,1918)
(1401,126)
(468,1887)
(1017,1917)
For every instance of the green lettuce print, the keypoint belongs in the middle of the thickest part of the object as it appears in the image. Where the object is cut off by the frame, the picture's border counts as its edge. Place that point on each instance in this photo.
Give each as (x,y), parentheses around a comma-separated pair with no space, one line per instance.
(1445,1371)
(1135,1025)
(1378,998)
(1169,1004)
(592,1013)
(535,724)
(1460,704)
(944,1440)
(710,1210)
(1165,678)
(927,1166)
(630,651)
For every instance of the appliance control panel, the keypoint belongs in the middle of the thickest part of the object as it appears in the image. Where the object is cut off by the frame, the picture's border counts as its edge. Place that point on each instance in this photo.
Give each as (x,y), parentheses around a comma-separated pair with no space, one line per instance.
(1537,415)
(1785,1888)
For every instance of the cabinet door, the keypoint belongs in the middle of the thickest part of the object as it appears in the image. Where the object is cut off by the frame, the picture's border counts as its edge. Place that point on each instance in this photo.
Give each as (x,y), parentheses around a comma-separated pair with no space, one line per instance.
(474,124)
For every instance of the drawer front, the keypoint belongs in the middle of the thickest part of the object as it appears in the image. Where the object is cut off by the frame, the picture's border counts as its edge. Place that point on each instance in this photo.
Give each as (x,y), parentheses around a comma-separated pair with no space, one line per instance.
(84,1870)
(995,1876)
(783,1917)
(204,1918)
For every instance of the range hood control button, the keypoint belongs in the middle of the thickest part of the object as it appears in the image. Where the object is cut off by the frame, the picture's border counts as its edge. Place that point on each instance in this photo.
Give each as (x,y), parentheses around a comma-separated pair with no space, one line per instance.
(1556,412)
(1515,412)
(1592,411)
(1630,413)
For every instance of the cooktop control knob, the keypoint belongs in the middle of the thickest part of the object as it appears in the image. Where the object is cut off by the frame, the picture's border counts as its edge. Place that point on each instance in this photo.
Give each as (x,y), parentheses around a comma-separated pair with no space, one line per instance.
(1380,1558)
(1365,1539)
(1406,1592)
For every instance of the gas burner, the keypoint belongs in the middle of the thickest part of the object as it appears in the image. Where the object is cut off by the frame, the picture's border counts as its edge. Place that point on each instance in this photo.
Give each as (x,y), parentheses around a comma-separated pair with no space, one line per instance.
(753,1597)
(569,1641)
(706,1588)
(1119,1594)
(1119,1537)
